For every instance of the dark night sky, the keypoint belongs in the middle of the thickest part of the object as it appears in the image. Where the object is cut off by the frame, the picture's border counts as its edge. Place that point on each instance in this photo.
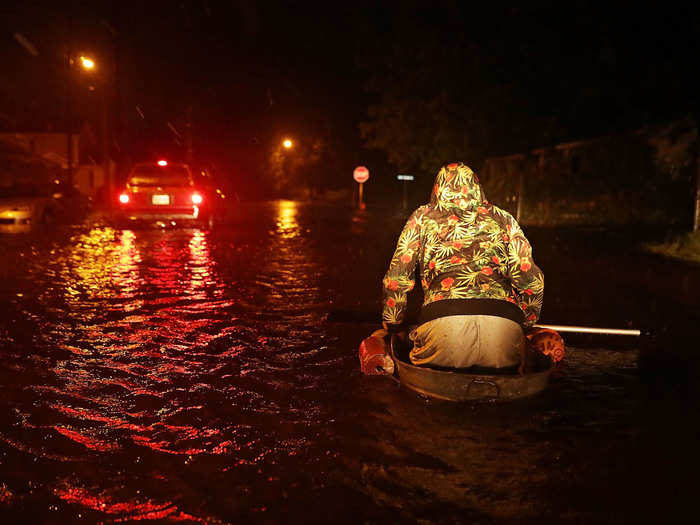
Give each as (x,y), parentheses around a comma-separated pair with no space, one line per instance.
(256,71)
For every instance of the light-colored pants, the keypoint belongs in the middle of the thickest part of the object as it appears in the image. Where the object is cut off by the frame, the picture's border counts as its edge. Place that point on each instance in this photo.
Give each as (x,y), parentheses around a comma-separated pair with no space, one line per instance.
(461,341)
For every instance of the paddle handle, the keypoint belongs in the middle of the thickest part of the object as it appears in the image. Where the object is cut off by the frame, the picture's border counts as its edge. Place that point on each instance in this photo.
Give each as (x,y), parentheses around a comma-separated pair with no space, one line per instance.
(591,329)
(372,318)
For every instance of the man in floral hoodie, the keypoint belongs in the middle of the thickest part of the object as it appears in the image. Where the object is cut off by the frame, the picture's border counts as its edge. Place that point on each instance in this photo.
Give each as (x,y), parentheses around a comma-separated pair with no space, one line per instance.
(480,283)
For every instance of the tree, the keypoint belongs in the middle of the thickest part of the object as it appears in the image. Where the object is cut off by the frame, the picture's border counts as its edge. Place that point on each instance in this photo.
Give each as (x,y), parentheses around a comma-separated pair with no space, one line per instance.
(294,169)
(462,83)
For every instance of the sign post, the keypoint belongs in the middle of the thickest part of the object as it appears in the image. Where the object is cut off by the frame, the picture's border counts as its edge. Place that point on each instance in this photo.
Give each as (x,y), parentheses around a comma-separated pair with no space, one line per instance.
(405,179)
(360,174)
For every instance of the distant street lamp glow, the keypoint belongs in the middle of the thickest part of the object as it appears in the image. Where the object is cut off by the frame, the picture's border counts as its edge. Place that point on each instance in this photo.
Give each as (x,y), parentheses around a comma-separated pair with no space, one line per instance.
(287,143)
(87,62)
(162,163)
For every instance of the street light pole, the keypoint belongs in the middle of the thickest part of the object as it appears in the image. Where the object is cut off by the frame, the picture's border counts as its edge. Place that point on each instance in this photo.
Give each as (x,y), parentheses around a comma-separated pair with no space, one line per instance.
(189,151)
(89,65)
(68,117)
(105,145)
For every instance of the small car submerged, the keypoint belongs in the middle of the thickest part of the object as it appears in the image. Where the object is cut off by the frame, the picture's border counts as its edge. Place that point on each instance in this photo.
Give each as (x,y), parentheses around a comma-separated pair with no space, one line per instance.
(25,207)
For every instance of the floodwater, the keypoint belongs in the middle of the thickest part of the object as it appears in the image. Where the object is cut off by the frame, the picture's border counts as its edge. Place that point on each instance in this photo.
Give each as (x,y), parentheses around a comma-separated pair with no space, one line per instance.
(182,375)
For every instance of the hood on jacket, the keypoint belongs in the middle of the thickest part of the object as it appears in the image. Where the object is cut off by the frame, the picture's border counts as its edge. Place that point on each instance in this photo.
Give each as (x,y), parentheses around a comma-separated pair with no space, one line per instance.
(456,185)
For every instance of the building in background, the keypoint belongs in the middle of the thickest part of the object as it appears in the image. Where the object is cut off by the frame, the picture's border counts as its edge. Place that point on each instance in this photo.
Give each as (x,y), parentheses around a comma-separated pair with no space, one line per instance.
(645,176)
(49,150)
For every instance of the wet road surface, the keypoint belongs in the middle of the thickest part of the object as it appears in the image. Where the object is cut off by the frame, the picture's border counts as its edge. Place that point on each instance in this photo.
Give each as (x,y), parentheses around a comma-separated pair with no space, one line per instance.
(191,376)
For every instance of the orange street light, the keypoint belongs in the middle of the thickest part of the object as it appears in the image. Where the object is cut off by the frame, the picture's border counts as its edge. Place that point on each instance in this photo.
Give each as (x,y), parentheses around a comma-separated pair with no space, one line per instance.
(287,143)
(87,63)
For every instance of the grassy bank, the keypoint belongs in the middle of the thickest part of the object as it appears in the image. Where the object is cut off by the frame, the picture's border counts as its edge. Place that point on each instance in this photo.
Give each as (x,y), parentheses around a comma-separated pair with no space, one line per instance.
(685,247)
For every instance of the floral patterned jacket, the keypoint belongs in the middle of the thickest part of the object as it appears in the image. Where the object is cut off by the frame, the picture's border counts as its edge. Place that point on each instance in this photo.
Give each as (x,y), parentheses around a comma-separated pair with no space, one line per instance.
(466,248)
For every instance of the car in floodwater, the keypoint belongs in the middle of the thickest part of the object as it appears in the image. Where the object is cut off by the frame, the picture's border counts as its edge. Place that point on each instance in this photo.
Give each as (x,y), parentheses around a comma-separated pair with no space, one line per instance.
(165,193)
(25,207)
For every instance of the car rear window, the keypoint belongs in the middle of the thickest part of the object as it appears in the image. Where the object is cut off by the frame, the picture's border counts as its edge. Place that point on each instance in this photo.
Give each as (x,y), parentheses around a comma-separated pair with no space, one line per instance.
(159,176)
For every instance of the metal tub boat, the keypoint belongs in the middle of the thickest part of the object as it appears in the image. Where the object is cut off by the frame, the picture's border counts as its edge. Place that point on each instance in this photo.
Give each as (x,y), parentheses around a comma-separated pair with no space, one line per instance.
(470,384)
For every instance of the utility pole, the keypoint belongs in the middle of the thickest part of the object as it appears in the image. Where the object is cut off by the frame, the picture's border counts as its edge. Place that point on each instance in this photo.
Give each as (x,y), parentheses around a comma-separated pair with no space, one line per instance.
(405,179)
(105,145)
(69,113)
(696,219)
(188,138)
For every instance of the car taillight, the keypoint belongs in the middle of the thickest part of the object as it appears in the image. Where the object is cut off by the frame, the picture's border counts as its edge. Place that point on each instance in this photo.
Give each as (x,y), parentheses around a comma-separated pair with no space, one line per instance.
(196,198)
(123,198)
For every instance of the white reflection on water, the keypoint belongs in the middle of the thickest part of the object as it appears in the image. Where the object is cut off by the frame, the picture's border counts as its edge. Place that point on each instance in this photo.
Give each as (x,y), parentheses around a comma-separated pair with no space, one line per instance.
(200,265)
(87,271)
(286,219)
(125,273)
(96,266)
(133,264)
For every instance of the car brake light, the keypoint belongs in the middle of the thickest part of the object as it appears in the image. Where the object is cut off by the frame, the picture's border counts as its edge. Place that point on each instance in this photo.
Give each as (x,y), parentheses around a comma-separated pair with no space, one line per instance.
(196,198)
(123,198)
(162,163)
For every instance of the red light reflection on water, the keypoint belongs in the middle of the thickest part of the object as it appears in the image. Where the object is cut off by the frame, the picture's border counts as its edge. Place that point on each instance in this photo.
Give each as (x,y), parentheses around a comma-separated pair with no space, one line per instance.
(130,511)
(91,443)
(140,268)
(91,415)
(140,434)
(166,446)
(161,286)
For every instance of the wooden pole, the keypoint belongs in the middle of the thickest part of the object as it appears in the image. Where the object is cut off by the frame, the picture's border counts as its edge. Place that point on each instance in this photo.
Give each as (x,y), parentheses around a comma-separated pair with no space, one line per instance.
(69,111)
(106,172)
(696,220)
(521,195)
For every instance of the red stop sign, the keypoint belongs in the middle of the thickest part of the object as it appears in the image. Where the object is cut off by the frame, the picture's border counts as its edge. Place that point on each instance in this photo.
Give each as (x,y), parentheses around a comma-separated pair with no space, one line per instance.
(361,174)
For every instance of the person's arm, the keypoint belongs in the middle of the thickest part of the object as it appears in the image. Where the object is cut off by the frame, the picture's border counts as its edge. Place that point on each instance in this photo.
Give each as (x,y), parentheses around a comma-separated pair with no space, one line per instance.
(526,278)
(399,279)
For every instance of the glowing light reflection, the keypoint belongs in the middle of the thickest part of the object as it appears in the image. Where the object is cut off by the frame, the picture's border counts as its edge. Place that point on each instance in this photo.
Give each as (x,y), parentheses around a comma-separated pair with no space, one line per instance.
(89,272)
(146,352)
(287,224)
(125,273)
(199,265)
(87,441)
(132,511)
